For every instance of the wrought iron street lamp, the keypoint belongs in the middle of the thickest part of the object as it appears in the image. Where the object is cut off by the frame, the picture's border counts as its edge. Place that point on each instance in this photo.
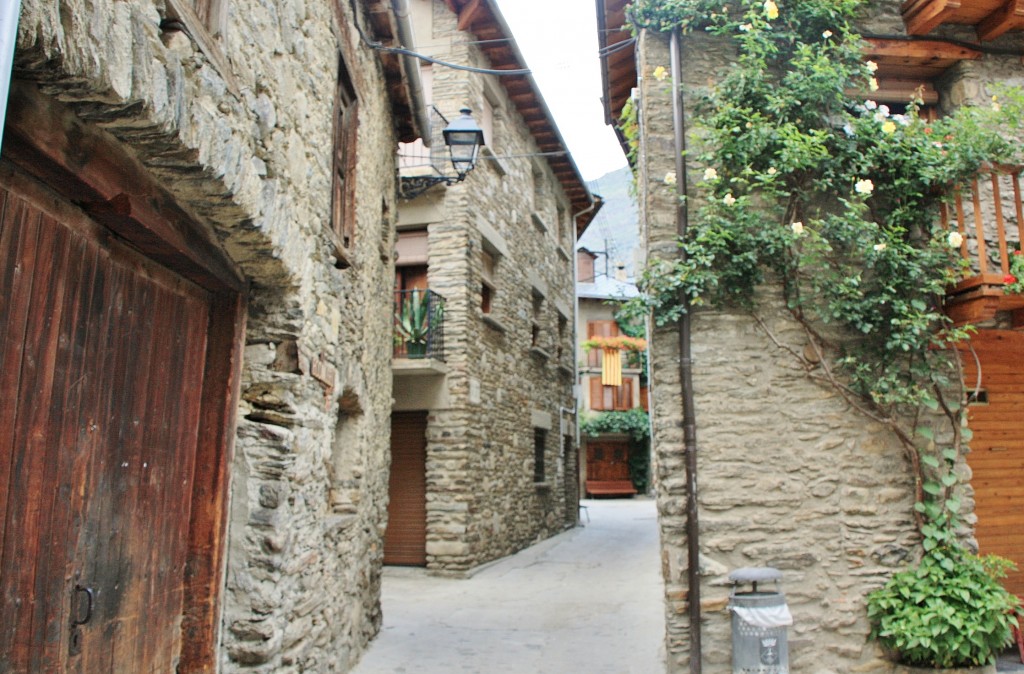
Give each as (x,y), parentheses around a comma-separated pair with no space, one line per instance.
(464,137)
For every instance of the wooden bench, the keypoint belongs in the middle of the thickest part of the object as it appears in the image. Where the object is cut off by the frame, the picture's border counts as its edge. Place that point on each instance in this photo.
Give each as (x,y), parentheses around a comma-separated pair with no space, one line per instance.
(610,488)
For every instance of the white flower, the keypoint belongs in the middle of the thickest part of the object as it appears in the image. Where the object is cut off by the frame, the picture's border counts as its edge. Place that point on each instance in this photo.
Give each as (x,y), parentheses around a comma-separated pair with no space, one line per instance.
(710,174)
(827,34)
(955,239)
(872,66)
(746,27)
(771,171)
(729,199)
(797,227)
(864,186)
(873,84)
(670,178)
(879,247)
(870,105)
(883,110)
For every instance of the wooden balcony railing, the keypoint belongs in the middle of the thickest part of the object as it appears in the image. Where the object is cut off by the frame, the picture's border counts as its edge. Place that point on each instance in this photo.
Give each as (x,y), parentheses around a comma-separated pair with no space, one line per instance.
(990,218)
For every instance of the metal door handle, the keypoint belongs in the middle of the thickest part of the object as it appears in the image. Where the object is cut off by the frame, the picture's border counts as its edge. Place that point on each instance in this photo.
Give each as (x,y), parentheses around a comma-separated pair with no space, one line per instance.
(90,598)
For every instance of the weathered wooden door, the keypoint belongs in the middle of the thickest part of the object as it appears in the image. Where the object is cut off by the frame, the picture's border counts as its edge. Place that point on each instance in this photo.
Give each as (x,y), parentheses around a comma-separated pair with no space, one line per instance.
(101,360)
(997,448)
(405,539)
(607,461)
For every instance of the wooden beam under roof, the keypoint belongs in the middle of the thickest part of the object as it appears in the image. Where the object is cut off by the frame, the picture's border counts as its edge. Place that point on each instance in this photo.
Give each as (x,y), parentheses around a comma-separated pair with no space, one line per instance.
(469,14)
(921,60)
(918,51)
(923,16)
(1009,16)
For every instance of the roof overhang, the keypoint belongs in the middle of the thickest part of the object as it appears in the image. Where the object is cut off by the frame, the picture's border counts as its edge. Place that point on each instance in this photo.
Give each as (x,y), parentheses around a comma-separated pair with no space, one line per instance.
(482,18)
(399,82)
(991,18)
(617,49)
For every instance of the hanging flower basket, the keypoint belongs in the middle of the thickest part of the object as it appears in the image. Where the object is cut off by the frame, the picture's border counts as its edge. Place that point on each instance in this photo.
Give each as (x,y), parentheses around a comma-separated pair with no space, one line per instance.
(620,343)
(611,355)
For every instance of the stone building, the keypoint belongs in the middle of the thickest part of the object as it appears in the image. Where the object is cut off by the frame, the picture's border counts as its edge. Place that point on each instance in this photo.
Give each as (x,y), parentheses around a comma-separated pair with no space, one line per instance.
(605,458)
(788,475)
(196,260)
(483,422)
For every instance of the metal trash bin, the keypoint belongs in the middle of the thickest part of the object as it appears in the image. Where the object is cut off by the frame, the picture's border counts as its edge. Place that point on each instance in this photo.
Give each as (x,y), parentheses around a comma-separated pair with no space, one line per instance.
(759,621)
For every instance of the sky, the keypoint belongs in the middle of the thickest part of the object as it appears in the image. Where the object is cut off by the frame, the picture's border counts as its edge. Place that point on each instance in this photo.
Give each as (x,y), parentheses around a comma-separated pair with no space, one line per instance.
(558,39)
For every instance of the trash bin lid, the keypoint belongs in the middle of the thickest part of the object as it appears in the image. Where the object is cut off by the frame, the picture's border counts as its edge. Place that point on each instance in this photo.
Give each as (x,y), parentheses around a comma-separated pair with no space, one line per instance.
(755,574)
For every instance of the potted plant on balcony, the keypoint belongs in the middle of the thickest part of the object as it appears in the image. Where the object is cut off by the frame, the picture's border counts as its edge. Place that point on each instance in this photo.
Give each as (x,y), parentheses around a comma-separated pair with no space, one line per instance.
(413,325)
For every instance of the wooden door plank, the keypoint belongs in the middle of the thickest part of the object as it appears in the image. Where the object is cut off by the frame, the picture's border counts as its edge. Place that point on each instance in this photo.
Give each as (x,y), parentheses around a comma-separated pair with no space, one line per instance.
(52,586)
(17,264)
(28,513)
(208,522)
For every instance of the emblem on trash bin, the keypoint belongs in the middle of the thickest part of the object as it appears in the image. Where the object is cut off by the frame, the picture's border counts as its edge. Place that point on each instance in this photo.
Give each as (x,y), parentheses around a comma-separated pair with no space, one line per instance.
(769,650)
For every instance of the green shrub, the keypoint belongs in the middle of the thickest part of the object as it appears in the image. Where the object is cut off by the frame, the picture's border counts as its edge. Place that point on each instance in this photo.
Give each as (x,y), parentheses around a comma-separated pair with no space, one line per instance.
(949,611)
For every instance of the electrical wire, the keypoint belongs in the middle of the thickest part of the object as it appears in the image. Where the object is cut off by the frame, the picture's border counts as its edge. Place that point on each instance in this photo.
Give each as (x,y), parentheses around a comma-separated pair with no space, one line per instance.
(618,46)
(373,44)
(455,66)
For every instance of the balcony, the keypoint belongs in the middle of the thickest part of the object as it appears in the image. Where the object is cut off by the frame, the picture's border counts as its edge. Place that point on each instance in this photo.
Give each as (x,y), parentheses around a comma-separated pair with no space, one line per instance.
(418,332)
(990,218)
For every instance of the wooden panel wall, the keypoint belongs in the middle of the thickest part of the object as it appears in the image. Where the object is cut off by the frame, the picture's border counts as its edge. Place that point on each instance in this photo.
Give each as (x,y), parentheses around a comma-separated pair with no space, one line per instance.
(997,448)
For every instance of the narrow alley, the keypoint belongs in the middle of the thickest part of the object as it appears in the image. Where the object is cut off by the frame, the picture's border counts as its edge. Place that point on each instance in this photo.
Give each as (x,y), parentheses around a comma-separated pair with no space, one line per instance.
(586,600)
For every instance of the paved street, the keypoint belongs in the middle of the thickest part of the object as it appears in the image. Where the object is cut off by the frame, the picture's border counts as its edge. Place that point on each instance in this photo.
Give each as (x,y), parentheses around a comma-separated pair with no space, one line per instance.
(588,600)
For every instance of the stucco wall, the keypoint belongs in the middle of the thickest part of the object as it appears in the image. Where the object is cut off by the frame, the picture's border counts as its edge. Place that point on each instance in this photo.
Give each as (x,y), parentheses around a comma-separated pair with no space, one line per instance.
(252,161)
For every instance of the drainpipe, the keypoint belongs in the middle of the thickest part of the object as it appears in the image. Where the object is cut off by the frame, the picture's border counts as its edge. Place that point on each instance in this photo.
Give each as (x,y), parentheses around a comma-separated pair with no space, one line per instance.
(686,367)
(412,70)
(575,325)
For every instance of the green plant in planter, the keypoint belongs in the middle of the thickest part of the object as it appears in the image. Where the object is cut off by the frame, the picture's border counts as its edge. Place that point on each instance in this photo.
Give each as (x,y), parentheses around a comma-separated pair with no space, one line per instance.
(948,611)
(412,322)
(1015,279)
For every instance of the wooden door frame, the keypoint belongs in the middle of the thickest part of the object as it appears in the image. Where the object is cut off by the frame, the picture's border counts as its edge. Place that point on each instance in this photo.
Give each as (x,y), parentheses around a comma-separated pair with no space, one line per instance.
(87,167)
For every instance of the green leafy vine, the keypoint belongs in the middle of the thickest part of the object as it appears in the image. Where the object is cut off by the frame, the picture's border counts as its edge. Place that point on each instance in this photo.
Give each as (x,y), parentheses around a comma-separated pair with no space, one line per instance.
(834,198)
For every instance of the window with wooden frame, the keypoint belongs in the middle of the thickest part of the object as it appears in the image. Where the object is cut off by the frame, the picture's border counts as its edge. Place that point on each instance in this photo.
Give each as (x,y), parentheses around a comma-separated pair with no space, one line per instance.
(343,164)
(611,398)
(488,274)
(599,329)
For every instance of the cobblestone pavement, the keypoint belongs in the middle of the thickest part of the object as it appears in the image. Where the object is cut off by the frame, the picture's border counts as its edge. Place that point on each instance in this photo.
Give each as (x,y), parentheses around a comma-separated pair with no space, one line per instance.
(588,600)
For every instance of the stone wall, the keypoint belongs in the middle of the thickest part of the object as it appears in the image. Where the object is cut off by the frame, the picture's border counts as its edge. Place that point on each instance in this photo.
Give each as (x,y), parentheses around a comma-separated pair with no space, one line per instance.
(248,152)
(789,475)
(482,502)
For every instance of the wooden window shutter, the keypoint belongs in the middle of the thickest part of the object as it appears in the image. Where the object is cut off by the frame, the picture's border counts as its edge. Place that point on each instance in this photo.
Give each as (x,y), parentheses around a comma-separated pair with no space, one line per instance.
(624,395)
(596,394)
(599,329)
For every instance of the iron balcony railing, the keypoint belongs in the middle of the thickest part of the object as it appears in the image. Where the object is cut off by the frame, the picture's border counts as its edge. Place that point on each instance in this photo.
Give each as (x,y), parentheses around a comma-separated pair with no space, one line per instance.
(419,324)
